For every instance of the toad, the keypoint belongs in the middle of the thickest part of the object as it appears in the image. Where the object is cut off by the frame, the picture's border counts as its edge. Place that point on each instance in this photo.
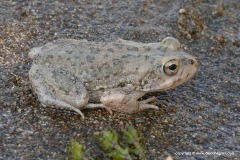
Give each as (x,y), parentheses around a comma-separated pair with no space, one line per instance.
(79,74)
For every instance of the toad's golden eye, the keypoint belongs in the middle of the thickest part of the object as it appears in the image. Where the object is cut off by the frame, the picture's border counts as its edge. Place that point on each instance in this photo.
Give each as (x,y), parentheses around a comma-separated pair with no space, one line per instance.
(171,67)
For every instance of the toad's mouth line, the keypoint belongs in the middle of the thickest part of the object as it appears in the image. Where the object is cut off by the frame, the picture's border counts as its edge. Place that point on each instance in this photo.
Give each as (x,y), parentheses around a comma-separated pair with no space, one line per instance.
(171,85)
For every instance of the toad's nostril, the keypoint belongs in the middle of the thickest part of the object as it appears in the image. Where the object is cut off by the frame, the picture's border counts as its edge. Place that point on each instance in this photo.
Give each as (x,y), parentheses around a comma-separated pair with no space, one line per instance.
(192,61)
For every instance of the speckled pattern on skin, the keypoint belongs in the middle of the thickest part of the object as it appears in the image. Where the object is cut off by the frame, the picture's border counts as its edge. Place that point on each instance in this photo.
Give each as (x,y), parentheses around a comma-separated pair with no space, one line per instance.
(71,73)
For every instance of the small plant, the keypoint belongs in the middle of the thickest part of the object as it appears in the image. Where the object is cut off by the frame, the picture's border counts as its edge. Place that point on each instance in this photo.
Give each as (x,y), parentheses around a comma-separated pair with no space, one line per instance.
(125,145)
(109,142)
(76,151)
(133,140)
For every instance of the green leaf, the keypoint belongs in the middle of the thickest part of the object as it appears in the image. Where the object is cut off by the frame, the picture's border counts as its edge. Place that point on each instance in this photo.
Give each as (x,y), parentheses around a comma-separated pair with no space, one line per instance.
(76,150)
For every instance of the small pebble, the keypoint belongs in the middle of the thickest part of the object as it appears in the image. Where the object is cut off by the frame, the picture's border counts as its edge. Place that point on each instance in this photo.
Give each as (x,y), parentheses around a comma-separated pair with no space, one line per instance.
(96,133)
(21,94)
(182,11)
(169,158)
(189,36)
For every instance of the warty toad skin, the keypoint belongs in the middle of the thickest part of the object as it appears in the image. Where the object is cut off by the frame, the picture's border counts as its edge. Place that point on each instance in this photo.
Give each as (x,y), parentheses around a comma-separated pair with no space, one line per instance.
(79,74)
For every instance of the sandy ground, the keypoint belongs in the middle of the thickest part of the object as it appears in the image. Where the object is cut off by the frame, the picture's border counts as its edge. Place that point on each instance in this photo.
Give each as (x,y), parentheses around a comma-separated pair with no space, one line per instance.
(198,118)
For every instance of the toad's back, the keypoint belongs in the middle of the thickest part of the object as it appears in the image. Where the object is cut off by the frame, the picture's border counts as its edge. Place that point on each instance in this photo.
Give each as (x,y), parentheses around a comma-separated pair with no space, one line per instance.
(105,65)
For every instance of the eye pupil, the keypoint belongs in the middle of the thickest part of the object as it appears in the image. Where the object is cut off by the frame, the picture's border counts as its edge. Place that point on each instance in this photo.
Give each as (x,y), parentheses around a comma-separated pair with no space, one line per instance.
(172,67)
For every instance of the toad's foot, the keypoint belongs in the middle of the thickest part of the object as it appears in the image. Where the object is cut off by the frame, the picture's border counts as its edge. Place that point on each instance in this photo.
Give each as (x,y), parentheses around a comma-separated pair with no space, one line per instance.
(61,104)
(149,100)
(143,104)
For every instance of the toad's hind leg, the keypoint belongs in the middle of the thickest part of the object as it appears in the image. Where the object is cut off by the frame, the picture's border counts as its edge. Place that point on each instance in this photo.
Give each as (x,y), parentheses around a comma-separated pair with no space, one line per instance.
(58,88)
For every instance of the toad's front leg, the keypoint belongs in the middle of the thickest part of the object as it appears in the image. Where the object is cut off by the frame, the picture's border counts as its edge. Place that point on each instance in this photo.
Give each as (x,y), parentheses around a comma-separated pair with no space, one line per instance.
(126,101)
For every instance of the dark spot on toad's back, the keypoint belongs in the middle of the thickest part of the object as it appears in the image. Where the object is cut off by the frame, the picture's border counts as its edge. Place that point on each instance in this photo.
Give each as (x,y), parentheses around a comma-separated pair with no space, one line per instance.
(159,66)
(107,76)
(59,57)
(90,58)
(69,52)
(83,63)
(132,48)
(145,82)
(128,56)
(118,46)
(94,50)
(81,52)
(121,84)
(146,57)
(147,49)
(116,61)
(110,50)
(105,55)
(49,56)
